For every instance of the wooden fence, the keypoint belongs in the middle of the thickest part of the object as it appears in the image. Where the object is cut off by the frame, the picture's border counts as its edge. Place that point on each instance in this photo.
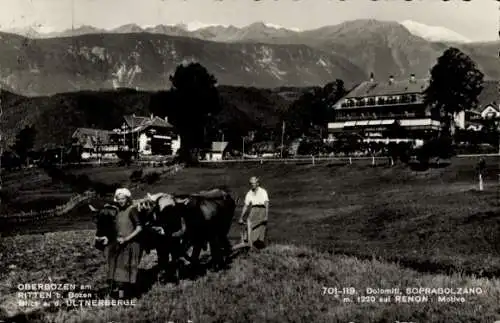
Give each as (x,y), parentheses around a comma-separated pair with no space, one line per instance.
(104,163)
(314,159)
(303,159)
(57,211)
(74,201)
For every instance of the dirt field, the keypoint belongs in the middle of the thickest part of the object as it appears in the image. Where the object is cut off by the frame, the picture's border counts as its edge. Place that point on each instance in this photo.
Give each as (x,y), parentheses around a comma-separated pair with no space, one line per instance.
(330,225)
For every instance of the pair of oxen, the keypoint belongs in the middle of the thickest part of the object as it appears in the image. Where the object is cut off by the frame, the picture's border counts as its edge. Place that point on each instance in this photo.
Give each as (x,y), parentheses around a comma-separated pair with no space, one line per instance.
(173,224)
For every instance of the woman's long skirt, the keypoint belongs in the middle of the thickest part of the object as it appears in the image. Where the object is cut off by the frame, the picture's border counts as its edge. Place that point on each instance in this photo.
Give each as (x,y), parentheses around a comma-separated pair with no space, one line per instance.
(123,262)
(257,225)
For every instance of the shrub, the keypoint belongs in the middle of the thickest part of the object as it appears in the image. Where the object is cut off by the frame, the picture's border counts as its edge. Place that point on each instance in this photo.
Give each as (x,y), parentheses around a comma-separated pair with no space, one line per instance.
(152,177)
(136,175)
(125,157)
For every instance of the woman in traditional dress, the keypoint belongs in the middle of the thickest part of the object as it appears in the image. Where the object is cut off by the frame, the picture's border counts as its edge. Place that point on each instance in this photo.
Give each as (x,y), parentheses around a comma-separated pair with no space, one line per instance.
(257,202)
(124,254)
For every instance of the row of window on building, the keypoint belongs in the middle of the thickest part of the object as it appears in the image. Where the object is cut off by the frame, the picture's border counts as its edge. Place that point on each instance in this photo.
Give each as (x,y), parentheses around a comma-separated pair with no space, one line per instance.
(370,101)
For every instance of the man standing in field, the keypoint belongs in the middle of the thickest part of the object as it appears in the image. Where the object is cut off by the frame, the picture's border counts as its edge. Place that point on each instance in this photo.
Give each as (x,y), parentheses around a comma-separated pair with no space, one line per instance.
(257,202)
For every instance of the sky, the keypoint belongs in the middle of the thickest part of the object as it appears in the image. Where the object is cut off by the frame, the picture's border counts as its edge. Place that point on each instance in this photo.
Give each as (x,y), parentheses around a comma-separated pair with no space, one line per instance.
(477,20)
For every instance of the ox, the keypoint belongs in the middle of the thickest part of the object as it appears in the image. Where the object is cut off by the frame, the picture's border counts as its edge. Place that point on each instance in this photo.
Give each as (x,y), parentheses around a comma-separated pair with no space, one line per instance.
(200,218)
(174,223)
(163,236)
(105,223)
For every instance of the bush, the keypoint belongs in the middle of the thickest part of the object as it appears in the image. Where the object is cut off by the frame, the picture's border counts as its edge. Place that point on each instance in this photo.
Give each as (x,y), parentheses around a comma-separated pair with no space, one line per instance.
(400,151)
(136,175)
(151,178)
(125,157)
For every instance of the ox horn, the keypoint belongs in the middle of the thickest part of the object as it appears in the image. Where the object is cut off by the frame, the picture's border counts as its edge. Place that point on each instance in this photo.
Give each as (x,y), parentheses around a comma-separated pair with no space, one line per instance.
(92,208)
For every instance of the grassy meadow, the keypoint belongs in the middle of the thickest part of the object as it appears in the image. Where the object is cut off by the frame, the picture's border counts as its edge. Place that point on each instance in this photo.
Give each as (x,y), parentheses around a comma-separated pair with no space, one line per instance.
(331,224)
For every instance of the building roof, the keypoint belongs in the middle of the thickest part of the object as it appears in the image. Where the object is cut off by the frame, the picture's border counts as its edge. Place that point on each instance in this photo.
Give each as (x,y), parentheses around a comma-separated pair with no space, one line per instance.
(219,146)
(490,95)
(265,146)
(382,88)
(135,122)
(87,136)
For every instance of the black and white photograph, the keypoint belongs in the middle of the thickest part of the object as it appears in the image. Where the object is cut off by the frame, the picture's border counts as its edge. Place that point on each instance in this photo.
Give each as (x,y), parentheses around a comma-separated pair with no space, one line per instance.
(195,161)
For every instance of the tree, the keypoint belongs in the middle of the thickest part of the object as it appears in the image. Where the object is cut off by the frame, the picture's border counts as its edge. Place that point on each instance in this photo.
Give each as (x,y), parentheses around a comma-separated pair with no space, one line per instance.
(125,157)
(348,143)
(309,114)
(334,91)
(440,147)
(489,132)
(25,141)
(454,86)
(193,100)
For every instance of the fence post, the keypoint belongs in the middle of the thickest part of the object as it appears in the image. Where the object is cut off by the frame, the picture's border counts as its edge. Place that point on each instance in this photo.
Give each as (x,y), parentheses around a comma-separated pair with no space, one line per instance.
(313,160)
(373,160)
(350,160)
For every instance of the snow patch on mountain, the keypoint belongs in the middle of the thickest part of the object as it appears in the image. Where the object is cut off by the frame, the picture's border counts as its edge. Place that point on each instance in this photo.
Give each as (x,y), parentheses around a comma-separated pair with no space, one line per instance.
(270,25)
(433,33)
(196,25)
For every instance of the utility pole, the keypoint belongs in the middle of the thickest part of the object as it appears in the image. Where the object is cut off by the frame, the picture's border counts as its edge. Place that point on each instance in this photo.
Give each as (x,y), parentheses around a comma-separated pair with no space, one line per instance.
(134,139)
(282,138)
(498,88)
(243,149)
(1,142)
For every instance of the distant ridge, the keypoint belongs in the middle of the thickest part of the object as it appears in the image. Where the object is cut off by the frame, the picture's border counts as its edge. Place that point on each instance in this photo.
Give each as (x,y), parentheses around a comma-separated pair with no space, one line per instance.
(198,29)
(258,55)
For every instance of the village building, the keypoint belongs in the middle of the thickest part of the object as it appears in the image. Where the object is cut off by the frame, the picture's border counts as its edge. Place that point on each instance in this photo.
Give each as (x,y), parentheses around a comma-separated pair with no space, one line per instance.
(487,109)
(266,149)
(293,148)
(217,151)
(372,107)
(144,135)
(94,143)
(147,135)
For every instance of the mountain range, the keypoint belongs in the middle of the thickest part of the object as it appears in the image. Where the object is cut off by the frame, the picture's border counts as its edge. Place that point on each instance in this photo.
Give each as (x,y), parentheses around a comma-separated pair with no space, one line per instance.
(258,55)
(225,33)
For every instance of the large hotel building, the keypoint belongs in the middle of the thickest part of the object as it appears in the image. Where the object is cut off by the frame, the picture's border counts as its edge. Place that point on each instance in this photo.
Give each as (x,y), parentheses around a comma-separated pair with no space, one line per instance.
(373,106)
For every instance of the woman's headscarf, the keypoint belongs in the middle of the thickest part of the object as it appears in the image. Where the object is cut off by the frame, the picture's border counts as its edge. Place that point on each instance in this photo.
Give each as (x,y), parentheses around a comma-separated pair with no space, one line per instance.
(122,192)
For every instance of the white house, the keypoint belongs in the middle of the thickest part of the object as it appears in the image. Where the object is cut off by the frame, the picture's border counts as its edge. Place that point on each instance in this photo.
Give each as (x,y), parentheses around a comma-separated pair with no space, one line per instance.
(149,135)
(488,108)
(491,111)
(216,151)
(176,145)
